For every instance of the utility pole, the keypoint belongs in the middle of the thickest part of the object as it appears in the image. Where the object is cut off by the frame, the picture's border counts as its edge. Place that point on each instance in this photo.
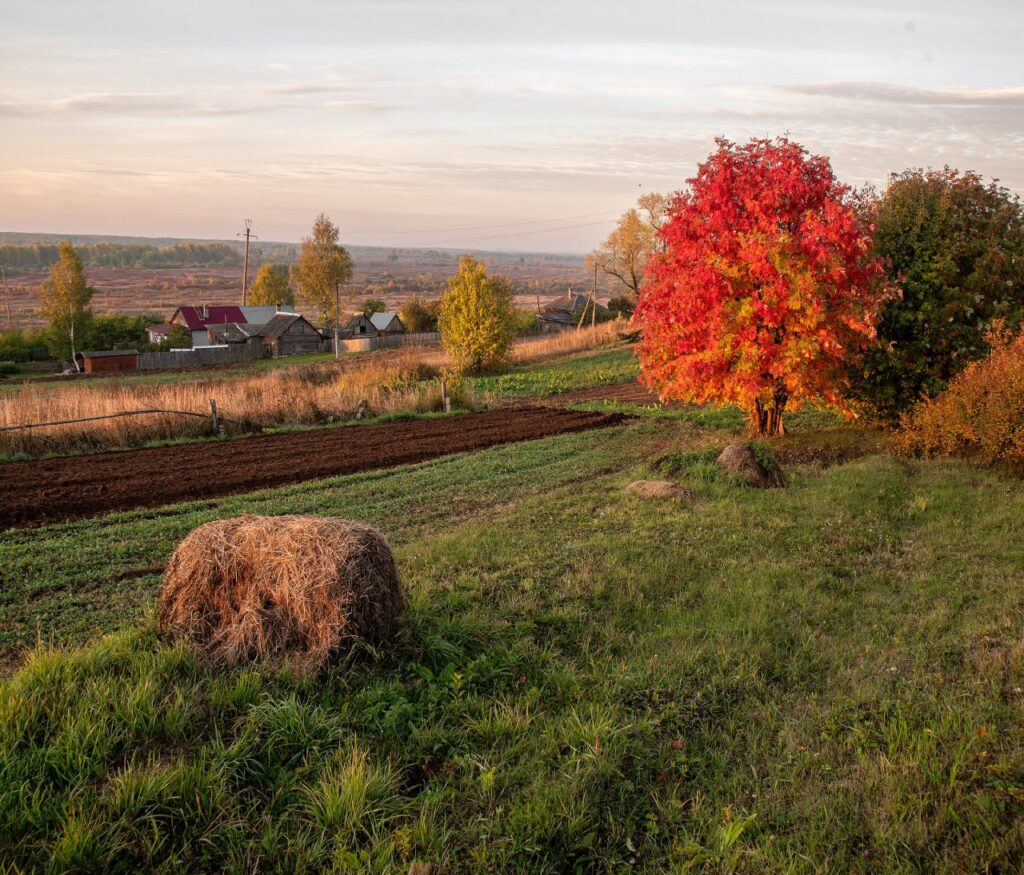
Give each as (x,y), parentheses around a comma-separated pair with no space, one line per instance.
(593,298)
(245,263)
(7,297)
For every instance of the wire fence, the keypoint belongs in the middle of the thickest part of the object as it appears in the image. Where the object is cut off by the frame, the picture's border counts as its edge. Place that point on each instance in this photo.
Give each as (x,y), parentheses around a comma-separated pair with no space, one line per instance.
(216,420)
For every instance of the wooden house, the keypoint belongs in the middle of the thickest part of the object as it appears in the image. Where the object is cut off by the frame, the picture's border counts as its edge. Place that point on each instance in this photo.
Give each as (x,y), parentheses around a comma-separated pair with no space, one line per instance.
(375,325)
(289,334)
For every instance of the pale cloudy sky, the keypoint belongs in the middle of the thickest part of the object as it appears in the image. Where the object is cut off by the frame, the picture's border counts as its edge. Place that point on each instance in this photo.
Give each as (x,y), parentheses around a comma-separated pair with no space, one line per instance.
(497,125)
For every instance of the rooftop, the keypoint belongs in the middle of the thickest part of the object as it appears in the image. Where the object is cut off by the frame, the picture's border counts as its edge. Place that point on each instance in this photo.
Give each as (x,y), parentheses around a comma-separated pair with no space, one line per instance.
(382,320)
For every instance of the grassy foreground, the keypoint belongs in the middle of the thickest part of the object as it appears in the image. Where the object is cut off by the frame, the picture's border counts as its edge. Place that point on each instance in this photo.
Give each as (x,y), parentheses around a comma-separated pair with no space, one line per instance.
(825,678)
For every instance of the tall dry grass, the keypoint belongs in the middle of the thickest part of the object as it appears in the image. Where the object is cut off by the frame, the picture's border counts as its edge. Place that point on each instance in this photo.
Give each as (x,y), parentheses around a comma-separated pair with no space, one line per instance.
(536,349)
(388,381)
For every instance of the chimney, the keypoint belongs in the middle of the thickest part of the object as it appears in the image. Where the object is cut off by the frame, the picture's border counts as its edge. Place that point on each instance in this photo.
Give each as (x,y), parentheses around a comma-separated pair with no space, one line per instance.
(206,311)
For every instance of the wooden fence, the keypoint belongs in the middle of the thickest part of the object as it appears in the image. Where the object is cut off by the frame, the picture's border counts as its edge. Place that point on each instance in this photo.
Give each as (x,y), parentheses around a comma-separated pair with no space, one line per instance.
(388,341)
(199,356)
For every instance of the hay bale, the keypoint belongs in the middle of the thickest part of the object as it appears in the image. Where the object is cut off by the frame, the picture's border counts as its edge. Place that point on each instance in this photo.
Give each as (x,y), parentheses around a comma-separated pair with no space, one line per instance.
(659,489)
(739,460)
(300,587)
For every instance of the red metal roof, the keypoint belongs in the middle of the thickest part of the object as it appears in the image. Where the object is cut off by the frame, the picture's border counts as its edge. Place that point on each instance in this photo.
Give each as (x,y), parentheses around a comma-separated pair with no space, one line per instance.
(197,318)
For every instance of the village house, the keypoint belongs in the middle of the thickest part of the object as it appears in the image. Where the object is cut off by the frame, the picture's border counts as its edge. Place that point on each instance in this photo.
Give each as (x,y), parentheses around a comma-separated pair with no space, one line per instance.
(159,333)
(374,325)
(566,312)
(232,333)
(285,334)
(199,318)
(289,334)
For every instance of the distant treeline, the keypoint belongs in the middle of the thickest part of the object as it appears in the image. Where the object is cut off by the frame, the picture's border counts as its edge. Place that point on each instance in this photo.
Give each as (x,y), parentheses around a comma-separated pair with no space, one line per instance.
(41,255)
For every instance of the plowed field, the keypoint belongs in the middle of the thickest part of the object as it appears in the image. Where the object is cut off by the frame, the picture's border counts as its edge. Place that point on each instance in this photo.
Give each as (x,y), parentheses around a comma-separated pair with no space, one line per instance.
(73,487)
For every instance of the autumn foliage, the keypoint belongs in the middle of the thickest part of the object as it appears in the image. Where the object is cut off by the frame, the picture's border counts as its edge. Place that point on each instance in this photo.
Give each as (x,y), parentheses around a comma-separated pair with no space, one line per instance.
(477,320)
(980,415)
(764,287)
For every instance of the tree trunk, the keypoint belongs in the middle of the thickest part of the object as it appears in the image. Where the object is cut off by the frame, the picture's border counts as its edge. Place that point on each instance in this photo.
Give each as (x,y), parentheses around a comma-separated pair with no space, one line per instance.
(74,357)
(766,419)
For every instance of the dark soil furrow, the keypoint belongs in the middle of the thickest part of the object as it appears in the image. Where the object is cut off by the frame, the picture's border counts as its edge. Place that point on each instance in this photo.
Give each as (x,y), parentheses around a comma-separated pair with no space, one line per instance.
(73,487)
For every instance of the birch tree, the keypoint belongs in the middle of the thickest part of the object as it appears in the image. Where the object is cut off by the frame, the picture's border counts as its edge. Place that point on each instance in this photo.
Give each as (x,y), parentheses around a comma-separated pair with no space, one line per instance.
(323,265)
(64,301)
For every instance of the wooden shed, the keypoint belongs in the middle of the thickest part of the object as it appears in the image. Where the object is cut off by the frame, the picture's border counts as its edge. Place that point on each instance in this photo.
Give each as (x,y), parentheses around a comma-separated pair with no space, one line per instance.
(289,334)
(107,361)
(375,325)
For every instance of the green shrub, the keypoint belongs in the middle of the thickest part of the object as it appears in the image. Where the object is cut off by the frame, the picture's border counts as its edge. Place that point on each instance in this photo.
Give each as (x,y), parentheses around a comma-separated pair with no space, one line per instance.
(9,368)
(955,246)
(418,315)
(623,306)
(524,322)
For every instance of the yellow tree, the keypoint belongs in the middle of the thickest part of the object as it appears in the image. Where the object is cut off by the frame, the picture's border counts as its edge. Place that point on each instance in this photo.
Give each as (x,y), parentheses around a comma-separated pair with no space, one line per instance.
(321,269)
(477,322)
(623,255)
(64,301)
(271,287)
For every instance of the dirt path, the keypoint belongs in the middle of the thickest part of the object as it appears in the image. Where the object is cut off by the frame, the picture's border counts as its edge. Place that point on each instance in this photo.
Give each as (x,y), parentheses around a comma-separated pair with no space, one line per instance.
(73,487)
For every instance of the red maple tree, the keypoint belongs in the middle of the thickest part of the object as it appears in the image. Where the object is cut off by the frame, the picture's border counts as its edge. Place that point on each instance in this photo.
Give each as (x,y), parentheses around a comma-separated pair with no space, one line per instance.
(764,287)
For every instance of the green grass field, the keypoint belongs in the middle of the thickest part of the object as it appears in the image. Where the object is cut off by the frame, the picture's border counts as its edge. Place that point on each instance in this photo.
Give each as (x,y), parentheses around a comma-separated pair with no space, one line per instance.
(614,364)
(828,677)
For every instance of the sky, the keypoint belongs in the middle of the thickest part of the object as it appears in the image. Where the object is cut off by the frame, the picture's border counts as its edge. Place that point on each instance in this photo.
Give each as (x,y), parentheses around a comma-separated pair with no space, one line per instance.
(473,123)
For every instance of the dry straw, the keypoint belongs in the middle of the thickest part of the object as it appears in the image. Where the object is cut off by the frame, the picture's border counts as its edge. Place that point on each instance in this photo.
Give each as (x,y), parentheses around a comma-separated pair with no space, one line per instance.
(389,381)
(294,587)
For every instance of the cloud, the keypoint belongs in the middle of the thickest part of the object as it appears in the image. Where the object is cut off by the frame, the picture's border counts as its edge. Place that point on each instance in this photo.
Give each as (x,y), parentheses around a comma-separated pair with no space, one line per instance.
(884,92)
(99,105)
(302,88)
(121,104)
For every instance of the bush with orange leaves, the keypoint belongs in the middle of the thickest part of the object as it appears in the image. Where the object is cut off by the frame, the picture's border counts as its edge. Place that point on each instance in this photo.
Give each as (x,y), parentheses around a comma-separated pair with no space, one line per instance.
(981,414)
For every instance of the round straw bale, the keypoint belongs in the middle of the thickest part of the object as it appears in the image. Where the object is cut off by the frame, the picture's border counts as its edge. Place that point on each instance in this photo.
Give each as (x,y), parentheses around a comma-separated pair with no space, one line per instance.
(300,587)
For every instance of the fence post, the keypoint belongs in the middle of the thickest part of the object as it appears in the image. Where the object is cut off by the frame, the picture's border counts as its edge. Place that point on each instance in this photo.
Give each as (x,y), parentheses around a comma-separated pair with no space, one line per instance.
(446,405)
(214,417)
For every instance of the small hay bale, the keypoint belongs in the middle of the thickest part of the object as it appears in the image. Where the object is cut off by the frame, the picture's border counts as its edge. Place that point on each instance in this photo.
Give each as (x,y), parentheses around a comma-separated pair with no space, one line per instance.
(659,489)
(300,587)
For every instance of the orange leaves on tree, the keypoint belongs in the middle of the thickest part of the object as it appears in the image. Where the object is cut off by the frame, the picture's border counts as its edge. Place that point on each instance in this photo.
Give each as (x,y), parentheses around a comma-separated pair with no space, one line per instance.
(764,287)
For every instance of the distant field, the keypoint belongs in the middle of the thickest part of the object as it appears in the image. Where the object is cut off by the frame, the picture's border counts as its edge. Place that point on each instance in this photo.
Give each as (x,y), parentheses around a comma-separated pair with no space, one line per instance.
(391,275)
